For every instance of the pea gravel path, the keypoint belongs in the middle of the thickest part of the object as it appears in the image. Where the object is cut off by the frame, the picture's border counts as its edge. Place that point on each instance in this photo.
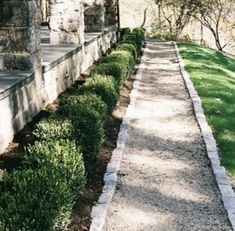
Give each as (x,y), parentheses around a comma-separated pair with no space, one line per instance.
(165,182)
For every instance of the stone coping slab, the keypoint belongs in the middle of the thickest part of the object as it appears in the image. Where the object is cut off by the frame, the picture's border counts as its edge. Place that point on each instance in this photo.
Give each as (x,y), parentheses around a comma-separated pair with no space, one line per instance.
(12,80)
(53,55)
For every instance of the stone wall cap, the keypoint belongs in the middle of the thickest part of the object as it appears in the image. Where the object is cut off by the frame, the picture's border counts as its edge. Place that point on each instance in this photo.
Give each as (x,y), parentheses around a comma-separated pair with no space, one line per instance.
(52,52)
(12,80)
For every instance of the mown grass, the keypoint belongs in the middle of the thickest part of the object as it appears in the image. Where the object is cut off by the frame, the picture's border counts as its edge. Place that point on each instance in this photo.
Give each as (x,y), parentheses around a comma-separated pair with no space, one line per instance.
(213,75)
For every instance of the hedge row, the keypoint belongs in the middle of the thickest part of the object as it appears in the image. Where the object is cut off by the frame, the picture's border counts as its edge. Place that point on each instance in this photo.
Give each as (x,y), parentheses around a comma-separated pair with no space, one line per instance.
(134,37)
(40,195)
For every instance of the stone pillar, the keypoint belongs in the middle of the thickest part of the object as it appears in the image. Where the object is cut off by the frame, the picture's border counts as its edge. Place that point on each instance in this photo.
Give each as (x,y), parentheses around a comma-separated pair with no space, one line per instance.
(44,9)
(94,16)
(111,11)
(19,35)
(66,21)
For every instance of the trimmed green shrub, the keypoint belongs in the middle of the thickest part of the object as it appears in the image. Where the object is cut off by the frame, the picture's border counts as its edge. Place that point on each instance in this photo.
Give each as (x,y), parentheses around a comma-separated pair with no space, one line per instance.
(127,47)
(130,40)
(34,200)
(90,99)
(91,124)
(124,31)
(55,127)
(133,39)
(104,86)
(113,69)
(70,96)
(62,155)
(42,197)
(123,58)
(140,33)
(136,37)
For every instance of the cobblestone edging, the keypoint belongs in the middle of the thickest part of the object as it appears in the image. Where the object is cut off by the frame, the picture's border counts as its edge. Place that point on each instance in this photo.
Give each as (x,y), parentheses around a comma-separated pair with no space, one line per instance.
(99,211)
(227,193)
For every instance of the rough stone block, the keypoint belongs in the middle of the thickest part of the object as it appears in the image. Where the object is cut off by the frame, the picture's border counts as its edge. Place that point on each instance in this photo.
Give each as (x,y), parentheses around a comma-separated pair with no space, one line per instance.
(113,166)
(66,22)
(222,179)
(110,177)
(109,187)
(231,215)
(219,170)
(226,191)
(215,161)
(213,155)
(100,210)
(229,202)
(125,125)
(97,224)
(105,198)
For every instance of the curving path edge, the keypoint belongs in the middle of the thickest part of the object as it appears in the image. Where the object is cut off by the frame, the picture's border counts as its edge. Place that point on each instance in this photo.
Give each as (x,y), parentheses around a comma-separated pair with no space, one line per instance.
(99,211)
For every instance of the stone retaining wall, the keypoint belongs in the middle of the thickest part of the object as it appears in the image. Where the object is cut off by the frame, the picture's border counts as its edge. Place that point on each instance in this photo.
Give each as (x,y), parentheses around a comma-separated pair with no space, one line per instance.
(24,99)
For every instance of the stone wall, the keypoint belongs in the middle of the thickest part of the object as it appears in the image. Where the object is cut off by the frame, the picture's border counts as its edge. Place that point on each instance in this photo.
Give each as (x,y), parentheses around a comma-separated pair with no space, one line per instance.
(66,22)
(21,101)
(111,10)
(26,87)
(94,16)
(19,35)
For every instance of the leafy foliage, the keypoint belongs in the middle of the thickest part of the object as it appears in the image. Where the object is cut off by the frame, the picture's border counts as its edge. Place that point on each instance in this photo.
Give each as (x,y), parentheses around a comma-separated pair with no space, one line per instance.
(174,15)
(136,38)
(41,195)
(112,69)
(104,86)
(55,127)
(123,58)
(128,47)
(88,120)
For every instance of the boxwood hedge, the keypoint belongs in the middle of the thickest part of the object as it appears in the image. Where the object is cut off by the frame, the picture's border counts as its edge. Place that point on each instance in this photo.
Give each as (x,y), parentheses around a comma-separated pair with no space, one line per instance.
(40,195)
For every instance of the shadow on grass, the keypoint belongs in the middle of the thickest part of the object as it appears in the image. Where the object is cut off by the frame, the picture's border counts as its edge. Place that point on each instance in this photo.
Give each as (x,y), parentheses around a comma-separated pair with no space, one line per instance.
(213,75)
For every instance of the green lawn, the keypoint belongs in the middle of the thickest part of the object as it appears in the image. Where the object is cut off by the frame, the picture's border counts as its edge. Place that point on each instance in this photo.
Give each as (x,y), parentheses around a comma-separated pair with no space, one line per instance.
(213,75)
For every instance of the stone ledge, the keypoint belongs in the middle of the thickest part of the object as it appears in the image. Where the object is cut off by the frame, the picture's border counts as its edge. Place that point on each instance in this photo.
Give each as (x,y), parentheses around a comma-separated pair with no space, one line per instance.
(52,52)
(13,80)
(66,51)
(10,81)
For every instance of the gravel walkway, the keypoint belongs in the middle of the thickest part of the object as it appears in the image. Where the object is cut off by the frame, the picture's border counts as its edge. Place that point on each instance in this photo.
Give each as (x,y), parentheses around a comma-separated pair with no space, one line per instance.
(165,182)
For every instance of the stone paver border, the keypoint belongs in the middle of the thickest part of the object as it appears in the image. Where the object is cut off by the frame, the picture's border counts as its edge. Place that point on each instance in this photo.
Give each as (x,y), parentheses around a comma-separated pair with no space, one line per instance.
(99,211)
(223,182)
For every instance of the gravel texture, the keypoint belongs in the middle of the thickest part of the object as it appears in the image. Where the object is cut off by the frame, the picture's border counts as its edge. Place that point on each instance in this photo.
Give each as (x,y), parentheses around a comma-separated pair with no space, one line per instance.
(165,181)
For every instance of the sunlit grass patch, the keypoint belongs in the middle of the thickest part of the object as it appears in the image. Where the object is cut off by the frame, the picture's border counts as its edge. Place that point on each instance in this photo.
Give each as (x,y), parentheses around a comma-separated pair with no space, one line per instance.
(213,75)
